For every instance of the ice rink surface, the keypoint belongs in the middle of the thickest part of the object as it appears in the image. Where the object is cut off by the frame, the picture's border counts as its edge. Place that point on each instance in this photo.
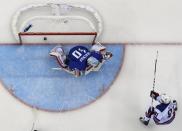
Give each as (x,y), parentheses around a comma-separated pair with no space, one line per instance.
(119,109)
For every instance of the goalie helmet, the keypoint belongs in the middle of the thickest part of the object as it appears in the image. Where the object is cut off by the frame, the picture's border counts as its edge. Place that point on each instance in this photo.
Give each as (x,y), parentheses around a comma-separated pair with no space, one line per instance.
(165,99)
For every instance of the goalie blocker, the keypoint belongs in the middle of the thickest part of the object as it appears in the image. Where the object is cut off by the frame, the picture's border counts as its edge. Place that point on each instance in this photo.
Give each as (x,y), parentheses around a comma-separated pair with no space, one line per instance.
(80,60)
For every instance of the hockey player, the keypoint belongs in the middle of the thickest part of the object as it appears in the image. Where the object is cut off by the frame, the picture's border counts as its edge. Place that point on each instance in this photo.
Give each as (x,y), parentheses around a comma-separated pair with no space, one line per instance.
(163,113)
(80,60)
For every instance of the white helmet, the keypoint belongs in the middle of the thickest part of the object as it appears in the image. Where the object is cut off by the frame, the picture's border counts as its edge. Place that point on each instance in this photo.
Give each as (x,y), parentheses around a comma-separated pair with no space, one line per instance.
(165,99)
(92,61)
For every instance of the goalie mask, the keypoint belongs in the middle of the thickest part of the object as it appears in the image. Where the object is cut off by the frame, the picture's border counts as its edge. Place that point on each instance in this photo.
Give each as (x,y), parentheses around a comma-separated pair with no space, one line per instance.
(92,61)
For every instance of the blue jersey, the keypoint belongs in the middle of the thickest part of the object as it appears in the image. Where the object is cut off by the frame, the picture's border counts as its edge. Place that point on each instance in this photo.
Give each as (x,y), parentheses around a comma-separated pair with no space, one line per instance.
(78,56)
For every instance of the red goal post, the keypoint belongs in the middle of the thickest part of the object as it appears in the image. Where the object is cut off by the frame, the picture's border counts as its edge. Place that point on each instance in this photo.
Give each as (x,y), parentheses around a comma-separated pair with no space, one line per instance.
(57,37)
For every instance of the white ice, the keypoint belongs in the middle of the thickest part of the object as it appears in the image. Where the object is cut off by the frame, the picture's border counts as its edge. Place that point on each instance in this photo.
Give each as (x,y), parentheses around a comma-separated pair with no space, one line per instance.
(119,109)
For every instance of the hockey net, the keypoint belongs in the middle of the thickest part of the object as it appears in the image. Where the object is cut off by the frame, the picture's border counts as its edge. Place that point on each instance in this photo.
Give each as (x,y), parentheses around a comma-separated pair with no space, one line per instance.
(56,23)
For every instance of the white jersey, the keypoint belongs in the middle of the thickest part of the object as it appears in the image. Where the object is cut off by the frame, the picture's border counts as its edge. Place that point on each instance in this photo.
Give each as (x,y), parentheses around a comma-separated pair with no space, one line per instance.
(164,113)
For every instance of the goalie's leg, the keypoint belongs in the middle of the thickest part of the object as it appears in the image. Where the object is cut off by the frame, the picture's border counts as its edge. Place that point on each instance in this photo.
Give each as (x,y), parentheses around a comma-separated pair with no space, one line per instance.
(58,52)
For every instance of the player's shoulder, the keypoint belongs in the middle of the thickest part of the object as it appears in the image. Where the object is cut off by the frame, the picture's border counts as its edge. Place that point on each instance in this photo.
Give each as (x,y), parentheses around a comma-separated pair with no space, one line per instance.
(161,107)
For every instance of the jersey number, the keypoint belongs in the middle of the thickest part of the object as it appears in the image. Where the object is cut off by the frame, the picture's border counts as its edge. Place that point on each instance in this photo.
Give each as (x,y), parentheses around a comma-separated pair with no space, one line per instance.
(77,54)
(170,112)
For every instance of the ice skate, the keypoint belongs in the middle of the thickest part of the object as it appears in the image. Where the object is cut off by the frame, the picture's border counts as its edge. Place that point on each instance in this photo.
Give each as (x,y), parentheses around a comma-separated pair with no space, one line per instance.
(143,121)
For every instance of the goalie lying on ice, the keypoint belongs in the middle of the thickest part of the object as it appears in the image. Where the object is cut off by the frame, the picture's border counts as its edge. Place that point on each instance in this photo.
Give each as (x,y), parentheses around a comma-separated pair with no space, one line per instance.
(80,60)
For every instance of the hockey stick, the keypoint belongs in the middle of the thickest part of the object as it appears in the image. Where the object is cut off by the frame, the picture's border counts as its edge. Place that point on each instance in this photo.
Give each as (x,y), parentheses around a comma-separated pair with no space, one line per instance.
(60,69)
(155,69)
(34,111)
(32,129)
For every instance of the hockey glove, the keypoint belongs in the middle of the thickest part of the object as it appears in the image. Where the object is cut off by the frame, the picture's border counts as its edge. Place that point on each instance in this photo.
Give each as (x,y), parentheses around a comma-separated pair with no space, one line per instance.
(154,94)
(150,112)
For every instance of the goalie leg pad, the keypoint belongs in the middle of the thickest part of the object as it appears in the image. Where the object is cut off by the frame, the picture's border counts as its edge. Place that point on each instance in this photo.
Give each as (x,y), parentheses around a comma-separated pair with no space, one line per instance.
(58,52)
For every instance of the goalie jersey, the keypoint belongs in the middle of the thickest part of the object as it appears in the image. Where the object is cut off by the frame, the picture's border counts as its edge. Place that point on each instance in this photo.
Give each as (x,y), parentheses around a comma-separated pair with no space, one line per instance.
(164,113)
(78,56)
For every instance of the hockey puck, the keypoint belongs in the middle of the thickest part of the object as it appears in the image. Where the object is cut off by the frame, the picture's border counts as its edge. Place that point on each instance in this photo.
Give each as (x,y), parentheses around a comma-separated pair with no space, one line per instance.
(45,38)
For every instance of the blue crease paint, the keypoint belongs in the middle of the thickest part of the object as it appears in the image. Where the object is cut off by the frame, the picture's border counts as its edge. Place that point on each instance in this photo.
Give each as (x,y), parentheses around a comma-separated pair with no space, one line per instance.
(26,69)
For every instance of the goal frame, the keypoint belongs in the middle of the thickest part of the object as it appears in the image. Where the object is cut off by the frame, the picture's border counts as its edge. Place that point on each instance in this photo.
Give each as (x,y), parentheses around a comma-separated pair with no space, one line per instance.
(20,34)
(57,10)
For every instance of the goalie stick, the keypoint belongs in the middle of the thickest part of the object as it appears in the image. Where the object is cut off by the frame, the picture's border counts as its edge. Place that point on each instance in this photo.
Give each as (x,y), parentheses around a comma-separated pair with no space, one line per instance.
(155,69)
(60,69)
(86,72)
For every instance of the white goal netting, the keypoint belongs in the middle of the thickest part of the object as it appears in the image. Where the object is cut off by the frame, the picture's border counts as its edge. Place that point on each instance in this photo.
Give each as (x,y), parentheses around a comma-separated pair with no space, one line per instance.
(57,23)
